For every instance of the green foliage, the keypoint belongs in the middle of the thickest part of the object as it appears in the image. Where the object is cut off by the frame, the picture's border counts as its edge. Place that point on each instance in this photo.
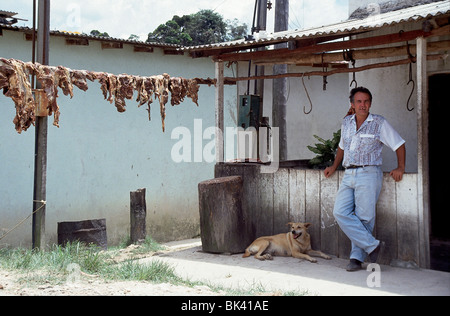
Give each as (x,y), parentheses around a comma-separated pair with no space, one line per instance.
(100,34)
(201,28)
(325,150)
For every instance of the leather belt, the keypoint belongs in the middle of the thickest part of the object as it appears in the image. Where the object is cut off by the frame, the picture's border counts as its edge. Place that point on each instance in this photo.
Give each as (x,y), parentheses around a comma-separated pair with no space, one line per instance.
(355,167)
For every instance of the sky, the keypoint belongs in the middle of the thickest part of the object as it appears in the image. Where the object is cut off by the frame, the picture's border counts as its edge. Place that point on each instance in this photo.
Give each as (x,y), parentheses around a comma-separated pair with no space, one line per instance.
(121,18)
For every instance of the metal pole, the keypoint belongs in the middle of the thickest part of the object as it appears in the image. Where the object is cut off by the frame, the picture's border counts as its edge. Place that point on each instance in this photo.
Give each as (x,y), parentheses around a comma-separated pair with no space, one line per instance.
(262,15)
(40,159)
(261,26)
(279,107)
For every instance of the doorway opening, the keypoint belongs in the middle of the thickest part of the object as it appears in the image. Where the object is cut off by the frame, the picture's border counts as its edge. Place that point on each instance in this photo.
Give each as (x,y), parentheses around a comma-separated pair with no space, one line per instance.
(439,114)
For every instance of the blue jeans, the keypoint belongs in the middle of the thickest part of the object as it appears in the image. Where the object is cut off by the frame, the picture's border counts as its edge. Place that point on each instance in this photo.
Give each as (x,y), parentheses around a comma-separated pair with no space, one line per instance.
(355,208)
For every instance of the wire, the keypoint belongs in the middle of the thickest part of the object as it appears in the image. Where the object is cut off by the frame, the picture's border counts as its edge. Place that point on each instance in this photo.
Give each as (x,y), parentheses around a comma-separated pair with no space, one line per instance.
(296,23)
(23,221)
(219,5)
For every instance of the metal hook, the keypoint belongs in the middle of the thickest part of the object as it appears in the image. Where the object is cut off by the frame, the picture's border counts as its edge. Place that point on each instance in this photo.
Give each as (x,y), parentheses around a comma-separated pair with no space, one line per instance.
(413,89)
(354,75)
(307,94)
(324,70)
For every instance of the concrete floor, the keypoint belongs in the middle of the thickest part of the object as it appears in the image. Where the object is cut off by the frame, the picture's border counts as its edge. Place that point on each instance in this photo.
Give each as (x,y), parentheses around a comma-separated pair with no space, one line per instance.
(327,277)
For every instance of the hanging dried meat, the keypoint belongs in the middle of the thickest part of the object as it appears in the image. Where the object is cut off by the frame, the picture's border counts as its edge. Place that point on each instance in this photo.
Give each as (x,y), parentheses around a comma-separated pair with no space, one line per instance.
(162,92)
(49,81)
(193,89)
(79,78)
(14,80)
(16,85)
(124,90)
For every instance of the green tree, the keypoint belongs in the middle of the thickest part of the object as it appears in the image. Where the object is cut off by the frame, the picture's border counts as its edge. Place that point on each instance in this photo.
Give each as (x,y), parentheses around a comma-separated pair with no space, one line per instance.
(98,33)
(201,28)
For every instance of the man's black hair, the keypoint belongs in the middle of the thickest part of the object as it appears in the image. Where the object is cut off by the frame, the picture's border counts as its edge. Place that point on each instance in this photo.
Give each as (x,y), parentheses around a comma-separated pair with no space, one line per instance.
(359,89)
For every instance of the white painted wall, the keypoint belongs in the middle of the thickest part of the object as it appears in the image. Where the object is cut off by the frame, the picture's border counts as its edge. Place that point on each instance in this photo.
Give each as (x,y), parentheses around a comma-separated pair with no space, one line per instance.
(329,108)
(98,155)
(390,95)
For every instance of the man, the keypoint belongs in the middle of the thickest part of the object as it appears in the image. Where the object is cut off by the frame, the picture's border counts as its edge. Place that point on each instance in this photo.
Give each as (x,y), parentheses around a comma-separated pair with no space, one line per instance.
(362,138)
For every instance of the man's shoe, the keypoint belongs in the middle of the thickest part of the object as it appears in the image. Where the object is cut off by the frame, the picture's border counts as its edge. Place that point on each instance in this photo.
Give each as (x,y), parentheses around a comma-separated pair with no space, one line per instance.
(376,255)
(354,265)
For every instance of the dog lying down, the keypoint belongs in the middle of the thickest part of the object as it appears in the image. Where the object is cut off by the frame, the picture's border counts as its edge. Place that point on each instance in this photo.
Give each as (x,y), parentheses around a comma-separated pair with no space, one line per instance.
(296,243)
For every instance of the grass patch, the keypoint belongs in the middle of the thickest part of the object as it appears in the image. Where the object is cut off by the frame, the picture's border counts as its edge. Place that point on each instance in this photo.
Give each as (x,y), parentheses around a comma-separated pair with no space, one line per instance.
(55,265)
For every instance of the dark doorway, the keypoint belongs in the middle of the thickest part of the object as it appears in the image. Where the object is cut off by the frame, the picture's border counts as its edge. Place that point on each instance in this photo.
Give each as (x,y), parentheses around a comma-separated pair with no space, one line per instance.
(439,140)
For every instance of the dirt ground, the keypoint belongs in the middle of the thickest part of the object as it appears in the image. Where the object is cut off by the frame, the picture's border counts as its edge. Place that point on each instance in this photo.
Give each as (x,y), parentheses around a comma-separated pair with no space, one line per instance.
(15,284)
(10,286)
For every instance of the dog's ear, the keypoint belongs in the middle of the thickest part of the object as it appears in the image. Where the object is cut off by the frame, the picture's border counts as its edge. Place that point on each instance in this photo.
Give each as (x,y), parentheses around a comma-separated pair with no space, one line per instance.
(289,224)
(307,225)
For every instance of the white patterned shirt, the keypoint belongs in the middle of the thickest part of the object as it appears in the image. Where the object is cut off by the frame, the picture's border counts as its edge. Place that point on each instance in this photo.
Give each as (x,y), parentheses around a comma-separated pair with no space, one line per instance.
(364,147)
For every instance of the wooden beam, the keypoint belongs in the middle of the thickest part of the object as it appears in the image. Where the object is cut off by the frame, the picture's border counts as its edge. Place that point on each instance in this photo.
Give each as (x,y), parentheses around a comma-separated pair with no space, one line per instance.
(423,180)
(335,71)
(112,45)
(77,41)
(334,46)
(219,112)
(356,54)
(143,49)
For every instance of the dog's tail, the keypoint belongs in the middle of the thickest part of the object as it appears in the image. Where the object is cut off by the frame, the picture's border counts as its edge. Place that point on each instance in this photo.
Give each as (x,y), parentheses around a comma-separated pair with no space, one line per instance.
(246,254)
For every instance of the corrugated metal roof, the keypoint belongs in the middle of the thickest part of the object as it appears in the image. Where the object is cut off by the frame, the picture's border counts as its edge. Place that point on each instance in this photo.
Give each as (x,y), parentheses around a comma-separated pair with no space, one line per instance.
(348,27)
(91,37)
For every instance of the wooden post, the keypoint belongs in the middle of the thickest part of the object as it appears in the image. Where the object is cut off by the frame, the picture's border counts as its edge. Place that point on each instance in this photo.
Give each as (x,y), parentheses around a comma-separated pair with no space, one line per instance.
(423,186)
(280,86)
(223,223)
(219,112)
(138,214)
(40,160)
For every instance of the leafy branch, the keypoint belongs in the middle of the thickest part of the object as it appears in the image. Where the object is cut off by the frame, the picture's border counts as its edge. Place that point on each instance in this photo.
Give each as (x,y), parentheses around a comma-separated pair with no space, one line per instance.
(325,150)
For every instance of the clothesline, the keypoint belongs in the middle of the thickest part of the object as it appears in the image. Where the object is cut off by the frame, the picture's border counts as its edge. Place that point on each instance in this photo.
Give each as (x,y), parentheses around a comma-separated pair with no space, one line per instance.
(15,82)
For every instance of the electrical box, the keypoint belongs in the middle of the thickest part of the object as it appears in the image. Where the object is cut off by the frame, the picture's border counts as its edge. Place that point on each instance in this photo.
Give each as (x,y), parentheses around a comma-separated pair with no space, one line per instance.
(249,121)
(249,111)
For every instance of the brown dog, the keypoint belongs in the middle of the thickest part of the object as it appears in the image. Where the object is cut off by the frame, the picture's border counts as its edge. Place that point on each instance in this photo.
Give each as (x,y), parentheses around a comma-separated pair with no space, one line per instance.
(296,243)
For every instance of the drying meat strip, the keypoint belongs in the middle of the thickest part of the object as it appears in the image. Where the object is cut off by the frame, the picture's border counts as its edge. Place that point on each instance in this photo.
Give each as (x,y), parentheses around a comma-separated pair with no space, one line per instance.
(145,88)
(108,84)
(179,90)
(46,75)
(79,78)
(63,80)
(162,92)
(124,90)
(193,88)
(18,88)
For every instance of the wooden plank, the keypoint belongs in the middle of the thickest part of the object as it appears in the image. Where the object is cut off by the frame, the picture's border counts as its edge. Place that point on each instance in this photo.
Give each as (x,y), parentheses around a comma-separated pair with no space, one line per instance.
(312,206)
(357,55)
(423,190)
(143,49)
(221,218)
(77,41)
(219,112)
(112,45)
(264,222)
(386,229)
(329,226)
(297,192)
(408,219)
(280,201)
(328,47)
(251,203)
(344,244)
(138,215)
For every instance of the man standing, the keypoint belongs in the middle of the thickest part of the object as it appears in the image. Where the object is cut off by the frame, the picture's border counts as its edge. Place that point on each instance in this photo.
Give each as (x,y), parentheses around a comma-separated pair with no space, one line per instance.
(360,152)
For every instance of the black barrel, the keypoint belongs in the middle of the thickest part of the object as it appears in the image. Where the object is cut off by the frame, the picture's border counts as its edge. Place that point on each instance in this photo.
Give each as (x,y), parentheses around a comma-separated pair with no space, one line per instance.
(88,232)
